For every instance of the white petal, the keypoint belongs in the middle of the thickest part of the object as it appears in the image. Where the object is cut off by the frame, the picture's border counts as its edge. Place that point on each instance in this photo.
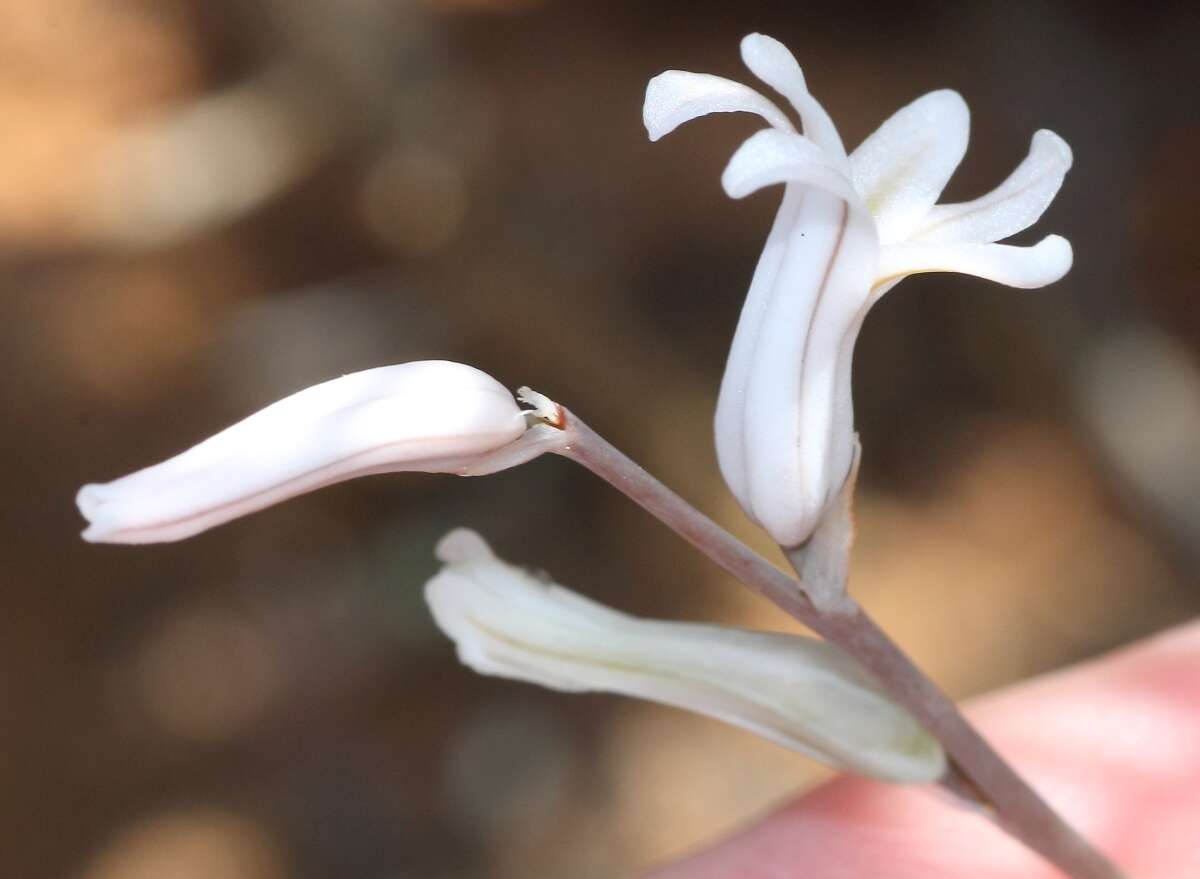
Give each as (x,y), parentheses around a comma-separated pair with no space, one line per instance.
(783,427)
(1025,267)
(433,416)
(677,96)
(769,157)
(773,63)
(730,415)
(799,692)
(1015,204)
(902,168)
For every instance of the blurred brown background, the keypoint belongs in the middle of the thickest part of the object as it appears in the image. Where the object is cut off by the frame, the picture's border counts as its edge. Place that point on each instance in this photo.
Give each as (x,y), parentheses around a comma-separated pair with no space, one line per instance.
(207,204)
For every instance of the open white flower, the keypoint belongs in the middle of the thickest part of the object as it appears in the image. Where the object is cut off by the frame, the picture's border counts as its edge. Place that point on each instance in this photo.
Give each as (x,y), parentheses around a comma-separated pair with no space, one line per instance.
(433,416)
(849,228)
(799,692)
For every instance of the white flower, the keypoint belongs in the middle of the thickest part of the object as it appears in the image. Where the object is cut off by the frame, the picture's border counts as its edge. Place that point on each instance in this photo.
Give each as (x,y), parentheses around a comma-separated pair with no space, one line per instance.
(848,229)
(433,416)
(799,692)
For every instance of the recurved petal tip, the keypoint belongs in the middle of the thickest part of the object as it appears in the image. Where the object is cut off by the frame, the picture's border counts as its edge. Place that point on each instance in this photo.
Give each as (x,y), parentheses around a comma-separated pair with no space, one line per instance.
(463,545)
(677,96)
(90,502)
(770,157)
(1046,140)
(773,63)
(1024,267)
(1014,205)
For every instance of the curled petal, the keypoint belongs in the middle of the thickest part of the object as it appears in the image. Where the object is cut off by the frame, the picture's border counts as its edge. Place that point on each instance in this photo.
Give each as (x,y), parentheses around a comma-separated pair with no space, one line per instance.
(773,63)
(1025,267)
(1014,205)
(902,168)
(769,157)
(677,96)
(799,692)
(433,416)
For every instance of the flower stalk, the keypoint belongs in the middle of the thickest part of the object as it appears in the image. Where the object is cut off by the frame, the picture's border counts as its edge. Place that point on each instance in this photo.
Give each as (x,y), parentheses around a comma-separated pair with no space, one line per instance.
(976,769)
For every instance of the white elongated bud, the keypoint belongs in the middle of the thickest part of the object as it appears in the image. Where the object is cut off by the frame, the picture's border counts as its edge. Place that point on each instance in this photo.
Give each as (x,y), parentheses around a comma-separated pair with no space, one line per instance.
(434,416)
(799,692)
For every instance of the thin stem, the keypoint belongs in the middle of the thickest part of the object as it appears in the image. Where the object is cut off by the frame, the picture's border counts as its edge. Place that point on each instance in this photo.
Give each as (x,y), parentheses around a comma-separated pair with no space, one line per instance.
(975,764)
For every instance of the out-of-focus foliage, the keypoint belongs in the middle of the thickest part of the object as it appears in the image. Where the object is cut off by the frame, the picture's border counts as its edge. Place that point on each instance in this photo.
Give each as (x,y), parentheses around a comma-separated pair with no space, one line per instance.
(207,205)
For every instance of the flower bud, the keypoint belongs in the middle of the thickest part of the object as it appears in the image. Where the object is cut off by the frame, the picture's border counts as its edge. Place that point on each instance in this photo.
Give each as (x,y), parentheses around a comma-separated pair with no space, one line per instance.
(433,416)
(799,692)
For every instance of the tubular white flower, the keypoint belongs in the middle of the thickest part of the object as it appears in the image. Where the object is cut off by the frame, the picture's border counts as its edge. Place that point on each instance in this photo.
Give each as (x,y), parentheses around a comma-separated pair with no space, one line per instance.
(799,692)
(433,416)
(848,229)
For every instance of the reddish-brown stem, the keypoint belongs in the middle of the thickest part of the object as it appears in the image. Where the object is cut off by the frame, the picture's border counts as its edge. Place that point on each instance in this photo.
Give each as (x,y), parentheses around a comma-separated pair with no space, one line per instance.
(975,765)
